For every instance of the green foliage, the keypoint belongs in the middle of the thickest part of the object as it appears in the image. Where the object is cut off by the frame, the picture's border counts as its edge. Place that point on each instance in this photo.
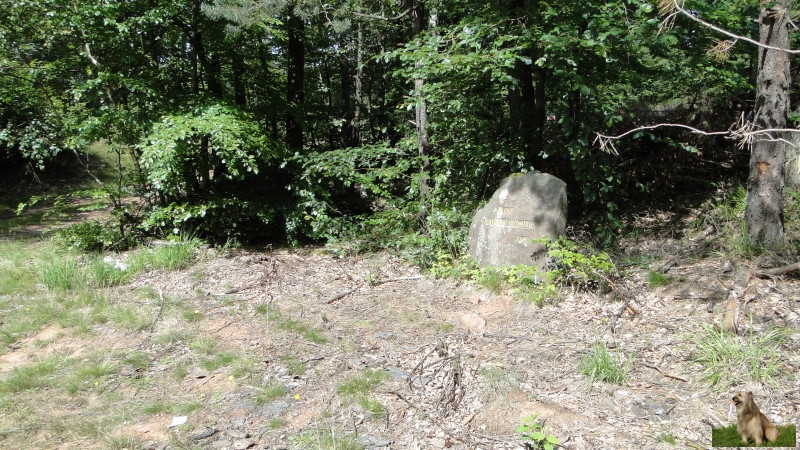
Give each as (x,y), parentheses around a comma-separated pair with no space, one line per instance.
(331,186)
(601,365)
(491,279)
(193,162)
(575,265)
(183,148)
(535,435)
(93,236)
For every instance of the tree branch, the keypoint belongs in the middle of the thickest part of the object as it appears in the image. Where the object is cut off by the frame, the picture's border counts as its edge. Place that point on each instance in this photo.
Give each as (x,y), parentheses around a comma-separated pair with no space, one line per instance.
(374,16)
(745,133)
(679,9)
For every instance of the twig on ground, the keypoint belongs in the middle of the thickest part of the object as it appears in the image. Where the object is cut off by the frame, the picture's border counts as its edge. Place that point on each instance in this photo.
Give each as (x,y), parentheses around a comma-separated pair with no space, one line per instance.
(373,284)
(343,294)
(674,377)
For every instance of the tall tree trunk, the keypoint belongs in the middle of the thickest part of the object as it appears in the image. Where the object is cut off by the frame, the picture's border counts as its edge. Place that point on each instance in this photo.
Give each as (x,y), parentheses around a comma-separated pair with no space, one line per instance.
(294,85)
(764,210)
(421,117)
(346,76)
(238,70)
(539,111)
(195,46)
(358,89)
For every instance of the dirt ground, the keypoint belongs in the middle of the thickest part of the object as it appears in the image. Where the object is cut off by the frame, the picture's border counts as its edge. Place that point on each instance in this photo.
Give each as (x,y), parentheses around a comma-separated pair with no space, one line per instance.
(463,366)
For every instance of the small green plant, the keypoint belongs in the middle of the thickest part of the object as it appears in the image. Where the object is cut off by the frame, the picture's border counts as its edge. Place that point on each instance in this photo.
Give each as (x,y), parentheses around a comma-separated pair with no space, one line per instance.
(539,295)
(32,376)
(130,318)
(218,360)
(169,256)
(105,274)
(276,423)
(601,365)
(15,274)
(575,265)
(667,437)
(295,366)
(358,388)
(203,345)
(363,383)
(491,279)
(271,392)
(657,279)
(535,436)
(373,407)
(242,366)
(288,324)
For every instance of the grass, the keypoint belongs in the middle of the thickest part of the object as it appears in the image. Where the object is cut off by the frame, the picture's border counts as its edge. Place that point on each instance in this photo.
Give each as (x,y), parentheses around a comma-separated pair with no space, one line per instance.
(162,407)
(656,279)
(326,439)
(174,256)
(32,376)
(602,365)
(131,318)
(357,389)
(363,383)
(16,275)
(62,274)
(496,381)
(491,279)
(728,437)
(729,360)
(275,316)
(667,437)
(270,392)
(294,365)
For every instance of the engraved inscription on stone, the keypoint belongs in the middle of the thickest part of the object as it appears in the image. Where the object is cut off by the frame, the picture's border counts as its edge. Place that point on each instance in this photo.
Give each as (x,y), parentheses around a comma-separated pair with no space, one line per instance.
(525,207)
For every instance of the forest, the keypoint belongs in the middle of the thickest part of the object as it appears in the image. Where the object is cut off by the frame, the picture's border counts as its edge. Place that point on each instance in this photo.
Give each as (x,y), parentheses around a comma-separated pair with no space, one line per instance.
(244,224)
(384,124)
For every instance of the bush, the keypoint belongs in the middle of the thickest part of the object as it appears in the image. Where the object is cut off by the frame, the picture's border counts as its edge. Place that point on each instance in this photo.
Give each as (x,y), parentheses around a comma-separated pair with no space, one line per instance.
(93,236)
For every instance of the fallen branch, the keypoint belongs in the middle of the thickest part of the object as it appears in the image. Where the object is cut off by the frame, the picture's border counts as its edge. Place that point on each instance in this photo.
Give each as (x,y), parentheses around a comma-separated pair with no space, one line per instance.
(375,283)
(783,270)
(342,295)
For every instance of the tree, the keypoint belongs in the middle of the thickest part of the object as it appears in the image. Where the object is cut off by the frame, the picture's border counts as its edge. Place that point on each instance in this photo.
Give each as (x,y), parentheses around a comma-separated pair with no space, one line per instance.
(766,133)
(764,212)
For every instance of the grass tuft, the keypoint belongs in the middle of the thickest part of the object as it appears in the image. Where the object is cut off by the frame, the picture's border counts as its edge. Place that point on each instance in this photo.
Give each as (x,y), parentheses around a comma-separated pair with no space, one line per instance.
(601,365)
(729,360)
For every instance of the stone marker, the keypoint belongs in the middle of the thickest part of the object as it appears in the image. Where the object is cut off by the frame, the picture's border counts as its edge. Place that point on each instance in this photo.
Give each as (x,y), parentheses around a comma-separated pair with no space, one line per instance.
(525,207)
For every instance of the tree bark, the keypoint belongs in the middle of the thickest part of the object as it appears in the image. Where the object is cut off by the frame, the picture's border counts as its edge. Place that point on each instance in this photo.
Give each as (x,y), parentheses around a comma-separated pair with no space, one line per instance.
(764,209)
(295,76)
(421,117)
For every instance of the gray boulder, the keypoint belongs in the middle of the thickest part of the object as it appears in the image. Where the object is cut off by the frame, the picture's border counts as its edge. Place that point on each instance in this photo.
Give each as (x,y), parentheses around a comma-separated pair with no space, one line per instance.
(525,207)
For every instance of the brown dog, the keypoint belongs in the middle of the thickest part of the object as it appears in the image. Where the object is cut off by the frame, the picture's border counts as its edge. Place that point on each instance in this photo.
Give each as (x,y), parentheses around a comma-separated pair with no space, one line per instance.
(752,423)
